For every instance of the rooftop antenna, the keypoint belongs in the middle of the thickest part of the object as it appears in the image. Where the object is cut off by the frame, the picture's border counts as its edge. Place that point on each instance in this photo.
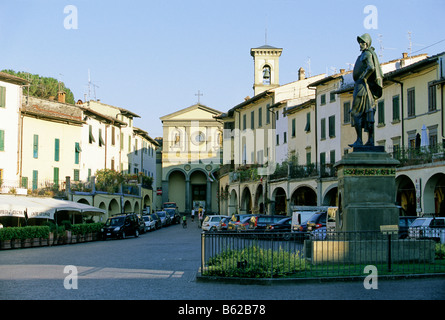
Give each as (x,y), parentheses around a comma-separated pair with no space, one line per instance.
(410,48)
(308,62)
(89,86)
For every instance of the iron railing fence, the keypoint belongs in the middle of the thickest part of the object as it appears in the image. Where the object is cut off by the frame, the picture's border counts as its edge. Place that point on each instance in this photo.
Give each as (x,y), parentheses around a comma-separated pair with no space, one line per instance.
(313,255)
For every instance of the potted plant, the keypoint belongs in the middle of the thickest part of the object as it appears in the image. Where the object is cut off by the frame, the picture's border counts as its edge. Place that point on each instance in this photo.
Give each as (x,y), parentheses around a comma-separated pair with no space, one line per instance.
(5,238)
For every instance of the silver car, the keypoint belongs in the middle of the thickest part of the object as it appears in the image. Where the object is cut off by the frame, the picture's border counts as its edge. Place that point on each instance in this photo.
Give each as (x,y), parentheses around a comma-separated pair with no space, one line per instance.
(211,222)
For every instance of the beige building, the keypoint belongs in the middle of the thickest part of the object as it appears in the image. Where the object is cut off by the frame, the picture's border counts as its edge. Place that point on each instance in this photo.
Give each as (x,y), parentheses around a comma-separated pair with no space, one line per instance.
(191,153)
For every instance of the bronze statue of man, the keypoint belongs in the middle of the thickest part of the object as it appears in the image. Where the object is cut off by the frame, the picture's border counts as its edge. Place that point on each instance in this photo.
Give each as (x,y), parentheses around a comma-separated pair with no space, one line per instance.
(368,87)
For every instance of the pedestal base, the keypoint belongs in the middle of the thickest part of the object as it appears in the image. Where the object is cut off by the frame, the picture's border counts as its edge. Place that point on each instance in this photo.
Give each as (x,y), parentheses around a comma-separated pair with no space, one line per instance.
(366,191)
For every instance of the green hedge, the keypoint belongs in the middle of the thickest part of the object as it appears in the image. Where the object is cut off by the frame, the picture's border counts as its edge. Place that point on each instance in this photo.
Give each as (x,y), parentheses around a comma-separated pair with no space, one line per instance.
(24,232)
(86,228)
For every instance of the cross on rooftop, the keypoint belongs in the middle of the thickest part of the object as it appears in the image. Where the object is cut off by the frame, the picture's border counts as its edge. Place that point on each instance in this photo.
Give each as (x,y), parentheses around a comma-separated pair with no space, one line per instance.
(199,94)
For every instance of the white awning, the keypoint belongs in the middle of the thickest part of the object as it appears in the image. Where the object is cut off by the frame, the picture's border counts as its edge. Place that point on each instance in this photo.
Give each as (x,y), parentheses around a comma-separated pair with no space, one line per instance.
(16,206)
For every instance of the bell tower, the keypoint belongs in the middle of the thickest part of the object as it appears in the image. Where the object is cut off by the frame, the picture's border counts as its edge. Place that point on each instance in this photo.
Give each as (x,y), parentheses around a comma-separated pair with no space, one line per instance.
(266,64)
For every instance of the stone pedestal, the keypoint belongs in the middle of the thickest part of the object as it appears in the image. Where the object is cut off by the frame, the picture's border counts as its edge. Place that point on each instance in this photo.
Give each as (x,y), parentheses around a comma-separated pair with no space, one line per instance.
(366,190)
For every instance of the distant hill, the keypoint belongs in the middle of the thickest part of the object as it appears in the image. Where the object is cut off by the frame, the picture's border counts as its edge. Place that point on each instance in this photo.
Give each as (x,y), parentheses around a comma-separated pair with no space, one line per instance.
(42,87)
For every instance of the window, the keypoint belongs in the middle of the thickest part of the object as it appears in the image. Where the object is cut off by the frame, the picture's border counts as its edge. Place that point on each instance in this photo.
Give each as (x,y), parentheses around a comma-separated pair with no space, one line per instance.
(35,147)
(307,128)
(284,137)
(2,97)
(56,176)
(35,179)
(411,102)
(2,140)
(381,112)
(267,114)
(431,97)
(323,99)
(244,122)
(101,140)
(278,139)
(396,108)
(129,145)
(77,151)
(293,128)
(308,157)
(90,134)
(332,96)
(260,117)
(113,136)
(323,129)
(76,174)
(56,150)
(347,112)
(332,157)
(122,141)
(332,126)
(252,120)
(277,115)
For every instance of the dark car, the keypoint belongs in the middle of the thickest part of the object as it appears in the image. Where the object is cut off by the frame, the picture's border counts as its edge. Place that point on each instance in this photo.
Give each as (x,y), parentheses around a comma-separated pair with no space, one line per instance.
(157,219)
(318,220)
(235,220)
(121,226)
(404,223)
(281,225)
(262,221)
(174,215)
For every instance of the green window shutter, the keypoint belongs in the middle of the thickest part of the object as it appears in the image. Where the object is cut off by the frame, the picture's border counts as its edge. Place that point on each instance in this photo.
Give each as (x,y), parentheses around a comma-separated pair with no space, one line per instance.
(77,151)
(57,150)
(308,122)
(2,140)
(76,174)
(56,176)
(2,97)
(323,128)
(35,147)
(396,108)
(332,126)
(35,179)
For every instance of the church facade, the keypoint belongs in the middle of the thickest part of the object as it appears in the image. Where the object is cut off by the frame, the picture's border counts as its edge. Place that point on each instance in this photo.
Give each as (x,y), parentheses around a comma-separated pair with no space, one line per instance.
(191,154)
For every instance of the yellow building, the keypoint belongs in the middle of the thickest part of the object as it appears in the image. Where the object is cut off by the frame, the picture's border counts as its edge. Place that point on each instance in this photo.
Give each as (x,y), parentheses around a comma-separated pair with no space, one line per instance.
(191,153)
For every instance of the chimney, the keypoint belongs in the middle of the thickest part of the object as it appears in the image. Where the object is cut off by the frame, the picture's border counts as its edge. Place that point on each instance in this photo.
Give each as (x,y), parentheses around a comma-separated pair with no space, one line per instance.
(342,71)
(404,55)
(301,74)
(61,96)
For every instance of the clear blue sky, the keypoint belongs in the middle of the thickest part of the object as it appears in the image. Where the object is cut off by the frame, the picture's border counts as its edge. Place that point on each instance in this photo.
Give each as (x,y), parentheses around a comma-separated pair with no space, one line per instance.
(152,57)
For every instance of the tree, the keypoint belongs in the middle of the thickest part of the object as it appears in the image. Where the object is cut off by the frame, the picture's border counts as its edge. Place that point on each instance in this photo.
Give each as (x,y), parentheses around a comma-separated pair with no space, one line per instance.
(42,87)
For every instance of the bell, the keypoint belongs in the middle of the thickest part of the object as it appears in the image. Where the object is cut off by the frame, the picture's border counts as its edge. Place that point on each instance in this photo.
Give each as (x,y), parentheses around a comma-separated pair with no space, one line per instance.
(266,73)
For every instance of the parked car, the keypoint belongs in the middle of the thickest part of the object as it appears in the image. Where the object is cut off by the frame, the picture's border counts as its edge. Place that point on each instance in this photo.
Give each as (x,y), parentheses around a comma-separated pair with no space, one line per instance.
(262,221)
(317,220)
(165,218)
(235,220)
(150,222)
(141,224)
(282,225)
(404,223)
(174,215)
(169,205)
(158,222)
(428,228)
(223,224)
(121,226)
(299,220)
(211,222)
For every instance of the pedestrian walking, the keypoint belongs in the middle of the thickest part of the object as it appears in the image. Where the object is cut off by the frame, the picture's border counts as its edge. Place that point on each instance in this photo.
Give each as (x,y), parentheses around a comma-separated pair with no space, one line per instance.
(193,214)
